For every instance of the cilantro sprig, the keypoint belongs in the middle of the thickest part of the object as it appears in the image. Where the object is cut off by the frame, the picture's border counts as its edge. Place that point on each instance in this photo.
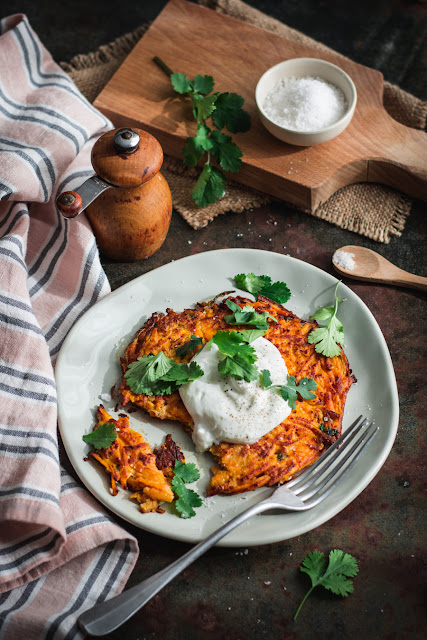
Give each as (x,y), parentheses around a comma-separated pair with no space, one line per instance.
(262,285)
(103,436)
(238,357)
(328,337)
(159,375)
(226,112)
(247,315)
(332,575)
(289,391)
(187,499)
(189,346)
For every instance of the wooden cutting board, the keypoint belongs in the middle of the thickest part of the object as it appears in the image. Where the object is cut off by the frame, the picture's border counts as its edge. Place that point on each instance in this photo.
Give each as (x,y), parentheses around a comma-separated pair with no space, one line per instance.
(192,39)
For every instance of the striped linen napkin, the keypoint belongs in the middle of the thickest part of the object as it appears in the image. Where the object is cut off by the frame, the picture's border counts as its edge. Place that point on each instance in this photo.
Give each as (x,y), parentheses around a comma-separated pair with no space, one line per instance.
(59,551)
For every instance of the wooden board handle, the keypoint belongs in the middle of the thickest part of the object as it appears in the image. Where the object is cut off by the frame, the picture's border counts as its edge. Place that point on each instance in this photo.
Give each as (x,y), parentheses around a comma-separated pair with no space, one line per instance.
(402,159)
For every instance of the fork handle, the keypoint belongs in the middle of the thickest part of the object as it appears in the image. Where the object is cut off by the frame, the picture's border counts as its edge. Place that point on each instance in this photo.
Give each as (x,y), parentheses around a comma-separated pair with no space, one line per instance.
(107,616)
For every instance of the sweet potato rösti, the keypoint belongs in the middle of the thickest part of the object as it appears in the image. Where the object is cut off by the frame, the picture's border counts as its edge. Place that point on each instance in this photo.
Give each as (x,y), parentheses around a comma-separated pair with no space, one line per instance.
(295,443)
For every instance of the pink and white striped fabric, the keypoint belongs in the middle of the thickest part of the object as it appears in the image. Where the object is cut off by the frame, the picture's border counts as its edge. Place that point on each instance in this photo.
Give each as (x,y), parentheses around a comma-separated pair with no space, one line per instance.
(59,551)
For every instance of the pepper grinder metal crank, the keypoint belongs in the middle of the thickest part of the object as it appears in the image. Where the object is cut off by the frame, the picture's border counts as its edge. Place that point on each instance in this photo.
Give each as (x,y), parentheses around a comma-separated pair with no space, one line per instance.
(128,201)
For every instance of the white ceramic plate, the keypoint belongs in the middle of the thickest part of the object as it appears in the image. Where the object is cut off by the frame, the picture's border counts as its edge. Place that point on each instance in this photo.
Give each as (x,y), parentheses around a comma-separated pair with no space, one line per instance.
(88,366)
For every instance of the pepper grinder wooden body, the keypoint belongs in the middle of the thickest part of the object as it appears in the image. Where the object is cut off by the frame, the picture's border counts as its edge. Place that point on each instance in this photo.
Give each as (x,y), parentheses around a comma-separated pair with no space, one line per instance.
(131,210)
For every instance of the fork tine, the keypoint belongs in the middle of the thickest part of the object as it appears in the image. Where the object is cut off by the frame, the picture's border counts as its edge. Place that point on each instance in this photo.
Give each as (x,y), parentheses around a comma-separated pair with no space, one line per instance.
(326,462)
(338,473)
(337,469)
(312,469)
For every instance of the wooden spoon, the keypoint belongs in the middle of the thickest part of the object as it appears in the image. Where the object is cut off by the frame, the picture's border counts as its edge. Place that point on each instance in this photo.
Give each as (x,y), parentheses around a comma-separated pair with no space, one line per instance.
(369,265)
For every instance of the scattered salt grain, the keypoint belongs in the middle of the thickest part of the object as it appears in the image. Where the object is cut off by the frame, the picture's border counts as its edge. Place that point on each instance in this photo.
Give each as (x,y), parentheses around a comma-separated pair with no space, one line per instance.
(305,104)
(344,259)
(105,396)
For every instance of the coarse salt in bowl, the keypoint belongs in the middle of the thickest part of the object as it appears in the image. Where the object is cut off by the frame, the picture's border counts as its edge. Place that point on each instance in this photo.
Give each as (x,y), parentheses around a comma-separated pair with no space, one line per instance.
(305,101)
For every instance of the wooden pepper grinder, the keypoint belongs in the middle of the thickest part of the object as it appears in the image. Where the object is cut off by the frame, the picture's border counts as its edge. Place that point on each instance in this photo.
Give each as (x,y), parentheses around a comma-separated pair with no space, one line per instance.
(128,202)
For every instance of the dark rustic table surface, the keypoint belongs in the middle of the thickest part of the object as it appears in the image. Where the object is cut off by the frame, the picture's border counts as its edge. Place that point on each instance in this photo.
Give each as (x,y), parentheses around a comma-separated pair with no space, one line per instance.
(384,527)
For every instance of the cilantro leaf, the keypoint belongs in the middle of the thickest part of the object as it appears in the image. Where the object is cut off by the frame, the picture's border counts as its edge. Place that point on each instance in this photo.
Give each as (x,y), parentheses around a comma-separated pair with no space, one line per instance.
(239,367)
(330,431)
(231,343)
(187,471)
(203,106)
(187,498)
(225,110)
(146,369)
(249,335)
(247,315)
(209,186)
(289,391)
(265,379)
(262,285)
(202,84)
(239,356)
(182,373)
(159,375)
(226,153)
(103,436)
(180,83)
(333,575)
(328,338)
(189,346)
(194,148)
(229,113)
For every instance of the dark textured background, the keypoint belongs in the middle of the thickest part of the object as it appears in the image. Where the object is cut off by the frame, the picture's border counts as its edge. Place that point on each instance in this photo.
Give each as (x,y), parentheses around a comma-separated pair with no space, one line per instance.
(384,528)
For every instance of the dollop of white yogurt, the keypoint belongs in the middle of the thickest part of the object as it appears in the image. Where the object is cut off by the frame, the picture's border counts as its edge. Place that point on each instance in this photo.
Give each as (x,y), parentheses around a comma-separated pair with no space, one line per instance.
(228,410)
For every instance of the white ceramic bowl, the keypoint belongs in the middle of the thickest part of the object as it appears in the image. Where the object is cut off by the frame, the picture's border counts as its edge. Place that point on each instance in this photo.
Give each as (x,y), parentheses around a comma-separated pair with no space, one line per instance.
(299,68)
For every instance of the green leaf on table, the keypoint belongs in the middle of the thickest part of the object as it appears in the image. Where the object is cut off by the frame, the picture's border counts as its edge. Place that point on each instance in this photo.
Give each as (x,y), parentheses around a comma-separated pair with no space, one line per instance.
(202,84)
(333,575)
(203,106)
(225,152)
(229,113)
(210,185)
(180,83)
(195,147)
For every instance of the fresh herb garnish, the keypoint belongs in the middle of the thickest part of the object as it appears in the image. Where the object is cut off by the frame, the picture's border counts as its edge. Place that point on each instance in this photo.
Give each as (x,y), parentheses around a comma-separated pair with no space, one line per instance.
(189,346)
(238,356)
(328,337)
(103,436)
(262,285)
(159,375)
(247,315)
(281,455)
(225,111)
(187,498)
(333,575)
(329,430)
(289,391)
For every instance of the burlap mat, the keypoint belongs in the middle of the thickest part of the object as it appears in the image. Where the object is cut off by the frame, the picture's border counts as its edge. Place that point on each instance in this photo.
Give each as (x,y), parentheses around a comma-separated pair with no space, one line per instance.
(372,210)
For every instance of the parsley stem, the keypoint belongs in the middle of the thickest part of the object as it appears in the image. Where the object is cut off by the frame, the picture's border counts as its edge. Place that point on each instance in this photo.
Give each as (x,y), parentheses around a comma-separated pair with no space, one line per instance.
(302,601)
(163,65)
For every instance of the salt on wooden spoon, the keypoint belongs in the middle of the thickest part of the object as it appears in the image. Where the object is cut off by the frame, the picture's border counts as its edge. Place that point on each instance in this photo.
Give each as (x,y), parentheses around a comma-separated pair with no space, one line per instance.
(364,264)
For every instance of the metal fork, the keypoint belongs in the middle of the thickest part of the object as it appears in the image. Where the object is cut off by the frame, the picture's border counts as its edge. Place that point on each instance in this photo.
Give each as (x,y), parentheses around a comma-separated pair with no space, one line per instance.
(303,492)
